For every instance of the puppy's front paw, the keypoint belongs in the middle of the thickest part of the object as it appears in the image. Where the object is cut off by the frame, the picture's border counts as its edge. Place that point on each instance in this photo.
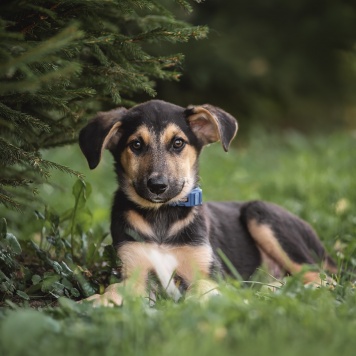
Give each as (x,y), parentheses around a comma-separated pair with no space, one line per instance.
(110,298)
(202,289)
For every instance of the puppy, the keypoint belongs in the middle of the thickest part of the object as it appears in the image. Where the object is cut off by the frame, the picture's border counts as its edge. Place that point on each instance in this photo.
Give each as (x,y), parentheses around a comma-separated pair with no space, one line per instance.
(159,225)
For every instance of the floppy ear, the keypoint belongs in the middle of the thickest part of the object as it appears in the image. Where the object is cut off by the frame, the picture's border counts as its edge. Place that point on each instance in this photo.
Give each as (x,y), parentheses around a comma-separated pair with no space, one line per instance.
(211,124)
(100,133)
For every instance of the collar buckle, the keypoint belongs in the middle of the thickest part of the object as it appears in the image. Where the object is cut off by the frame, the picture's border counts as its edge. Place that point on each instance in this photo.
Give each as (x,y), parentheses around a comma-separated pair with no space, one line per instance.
(194,198)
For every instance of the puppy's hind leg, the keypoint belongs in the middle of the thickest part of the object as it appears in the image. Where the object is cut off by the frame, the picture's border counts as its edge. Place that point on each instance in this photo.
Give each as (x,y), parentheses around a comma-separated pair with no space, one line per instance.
(287,240)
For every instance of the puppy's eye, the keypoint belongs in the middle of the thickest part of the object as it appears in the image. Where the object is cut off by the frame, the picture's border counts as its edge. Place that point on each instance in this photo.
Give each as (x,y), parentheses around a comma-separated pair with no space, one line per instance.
(178,143)
(136,145)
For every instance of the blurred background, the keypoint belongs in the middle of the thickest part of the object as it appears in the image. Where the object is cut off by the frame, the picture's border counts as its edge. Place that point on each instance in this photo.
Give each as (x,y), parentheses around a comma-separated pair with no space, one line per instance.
(289,64)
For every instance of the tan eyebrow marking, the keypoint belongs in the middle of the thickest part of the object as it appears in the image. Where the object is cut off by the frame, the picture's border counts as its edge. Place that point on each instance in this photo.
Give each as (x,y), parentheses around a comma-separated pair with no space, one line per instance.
(139,224)
(143,132)
(170,132)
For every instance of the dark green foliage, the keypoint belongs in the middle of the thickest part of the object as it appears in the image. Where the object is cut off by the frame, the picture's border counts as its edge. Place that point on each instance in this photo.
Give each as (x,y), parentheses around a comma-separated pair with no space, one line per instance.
(62,61)
(64,259)
(9,249)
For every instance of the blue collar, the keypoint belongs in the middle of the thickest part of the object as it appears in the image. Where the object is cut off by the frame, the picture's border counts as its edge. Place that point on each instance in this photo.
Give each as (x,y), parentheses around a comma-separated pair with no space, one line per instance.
(194,198)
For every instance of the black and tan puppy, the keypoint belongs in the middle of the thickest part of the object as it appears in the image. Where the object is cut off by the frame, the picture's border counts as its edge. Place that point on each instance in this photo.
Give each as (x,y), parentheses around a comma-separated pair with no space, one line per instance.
(158,223)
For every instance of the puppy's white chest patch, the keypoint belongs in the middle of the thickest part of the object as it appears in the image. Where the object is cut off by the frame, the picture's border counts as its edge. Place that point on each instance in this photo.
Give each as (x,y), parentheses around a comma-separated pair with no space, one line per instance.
(165,265)
(188,262)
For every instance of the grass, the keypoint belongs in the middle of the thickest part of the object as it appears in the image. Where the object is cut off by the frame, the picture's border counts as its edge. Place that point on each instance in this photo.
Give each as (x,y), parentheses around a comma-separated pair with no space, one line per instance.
(293,321)
(313,177)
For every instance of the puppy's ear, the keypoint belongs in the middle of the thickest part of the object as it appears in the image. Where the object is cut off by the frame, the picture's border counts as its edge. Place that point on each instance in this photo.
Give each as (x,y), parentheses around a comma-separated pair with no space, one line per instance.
(100,133)
(211,124)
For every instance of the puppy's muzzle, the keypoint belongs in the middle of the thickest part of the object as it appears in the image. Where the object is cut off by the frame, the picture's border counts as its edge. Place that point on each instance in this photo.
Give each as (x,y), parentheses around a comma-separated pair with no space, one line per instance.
(157,185)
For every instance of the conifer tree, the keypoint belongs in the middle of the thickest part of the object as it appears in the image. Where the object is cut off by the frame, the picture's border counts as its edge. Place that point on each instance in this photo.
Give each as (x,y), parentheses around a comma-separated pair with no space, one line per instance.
(63,60)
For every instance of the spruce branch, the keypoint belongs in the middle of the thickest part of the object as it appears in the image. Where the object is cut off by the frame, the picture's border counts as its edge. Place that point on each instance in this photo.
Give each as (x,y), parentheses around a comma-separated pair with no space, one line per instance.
(48,165)
(34,85)
(20,121)
(8,202)
(185,5)
(10,154)
(50,46)
(15,182)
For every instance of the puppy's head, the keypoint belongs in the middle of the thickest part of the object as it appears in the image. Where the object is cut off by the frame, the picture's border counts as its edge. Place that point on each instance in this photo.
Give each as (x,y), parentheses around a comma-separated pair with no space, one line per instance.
(156,146)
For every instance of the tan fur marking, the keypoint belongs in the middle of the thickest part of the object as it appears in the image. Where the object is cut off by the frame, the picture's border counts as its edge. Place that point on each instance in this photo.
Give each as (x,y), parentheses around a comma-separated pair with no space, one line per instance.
(130,162)
(312,278)
(142,132)
(139,224)
(193,262)
(170,132)
(272,267)
(110,298)
(143,203)
(133,165)
(181,165)
(267,242)
(108,141)
(136,265)
(181,224)
(205,125)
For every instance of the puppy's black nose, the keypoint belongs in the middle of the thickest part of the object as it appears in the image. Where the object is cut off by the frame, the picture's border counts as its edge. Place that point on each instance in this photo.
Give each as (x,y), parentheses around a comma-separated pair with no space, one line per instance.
(157,185)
